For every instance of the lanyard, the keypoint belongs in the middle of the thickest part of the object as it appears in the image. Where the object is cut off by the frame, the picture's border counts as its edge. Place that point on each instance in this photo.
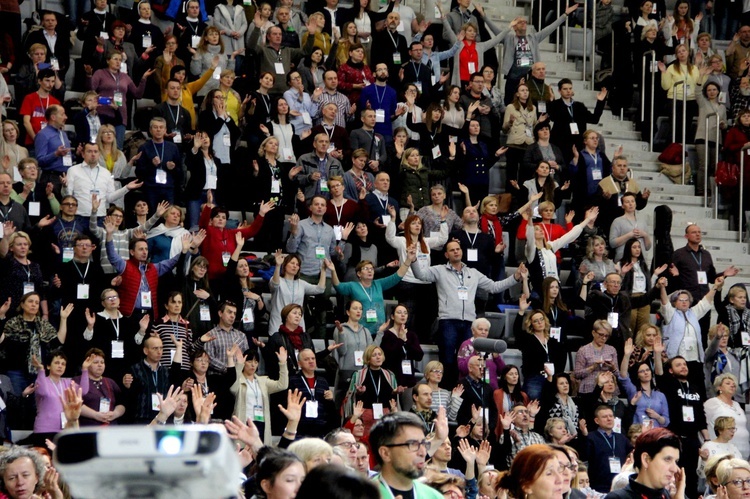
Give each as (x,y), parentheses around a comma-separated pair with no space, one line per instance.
(544,345)
(44,107)
(554,312)
(333,128)
(699,261)
(161,156)
(5,217)
(292,287)
(116,327)
(394,40)
(339,212)
(116,78)
(384,205)
(307,385)
(58,388)
(366,293)
(254,386)
(175,119)
(266,103)
(380,99)
(377,388)
(95,179)
(85,273)
(416,68)
(155,377)
(611,445)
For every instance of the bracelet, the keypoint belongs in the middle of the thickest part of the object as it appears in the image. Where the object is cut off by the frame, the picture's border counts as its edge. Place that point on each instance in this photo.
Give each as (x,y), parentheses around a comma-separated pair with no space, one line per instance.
(289,432)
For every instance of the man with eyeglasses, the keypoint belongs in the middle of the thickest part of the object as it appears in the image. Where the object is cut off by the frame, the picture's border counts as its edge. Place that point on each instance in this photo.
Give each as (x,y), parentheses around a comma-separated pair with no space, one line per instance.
(218,341)
(517,433)
(79,281)
(614,305)
(657,458)
(86,180)
(345,440)
(398,442)
(486,114)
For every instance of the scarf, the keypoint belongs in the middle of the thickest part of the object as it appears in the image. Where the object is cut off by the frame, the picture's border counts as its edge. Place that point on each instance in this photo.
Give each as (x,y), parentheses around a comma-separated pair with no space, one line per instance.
(175,233)
(490,224)
(294,336)
(569,413)
(355,65)
(736,323)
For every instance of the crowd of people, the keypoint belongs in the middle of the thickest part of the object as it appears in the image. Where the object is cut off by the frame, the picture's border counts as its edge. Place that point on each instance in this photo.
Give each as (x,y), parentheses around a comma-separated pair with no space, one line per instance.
(131,294)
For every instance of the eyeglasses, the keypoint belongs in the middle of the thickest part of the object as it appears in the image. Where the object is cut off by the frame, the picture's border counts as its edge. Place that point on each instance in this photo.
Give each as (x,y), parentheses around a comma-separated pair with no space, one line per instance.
(348,445)
(68,204)
(569,467)
(739,482)
(111,298)
(602,335)
(413,445)
(437,371)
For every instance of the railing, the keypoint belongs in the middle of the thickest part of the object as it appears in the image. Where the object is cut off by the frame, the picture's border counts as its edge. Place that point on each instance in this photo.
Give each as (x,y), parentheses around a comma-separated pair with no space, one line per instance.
(585,26)
(593,44)
(741,217)
(565,41)
(716,162)
(674,120)
(652,53)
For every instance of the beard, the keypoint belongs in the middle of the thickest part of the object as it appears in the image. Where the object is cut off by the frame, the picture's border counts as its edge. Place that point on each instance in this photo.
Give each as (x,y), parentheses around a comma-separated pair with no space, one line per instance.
(411,472)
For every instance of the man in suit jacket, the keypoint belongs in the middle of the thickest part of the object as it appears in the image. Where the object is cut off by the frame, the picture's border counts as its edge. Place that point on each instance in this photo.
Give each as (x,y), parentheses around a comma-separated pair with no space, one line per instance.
(57,42)
(571,118)
(391,49)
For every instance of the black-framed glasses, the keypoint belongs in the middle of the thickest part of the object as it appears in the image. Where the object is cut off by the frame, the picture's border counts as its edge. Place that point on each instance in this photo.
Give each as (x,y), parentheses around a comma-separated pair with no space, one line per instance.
(413,445)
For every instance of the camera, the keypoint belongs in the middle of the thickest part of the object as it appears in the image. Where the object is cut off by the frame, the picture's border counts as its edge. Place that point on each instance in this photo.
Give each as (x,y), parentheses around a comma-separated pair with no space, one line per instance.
(189,462)
(105,101)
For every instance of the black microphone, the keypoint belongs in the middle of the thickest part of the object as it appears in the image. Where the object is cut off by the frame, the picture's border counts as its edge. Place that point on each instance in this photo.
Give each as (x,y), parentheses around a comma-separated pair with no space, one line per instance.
(489,346)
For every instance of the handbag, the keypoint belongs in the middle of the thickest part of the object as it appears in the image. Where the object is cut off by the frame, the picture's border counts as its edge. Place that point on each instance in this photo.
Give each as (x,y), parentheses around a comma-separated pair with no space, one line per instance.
(727,174)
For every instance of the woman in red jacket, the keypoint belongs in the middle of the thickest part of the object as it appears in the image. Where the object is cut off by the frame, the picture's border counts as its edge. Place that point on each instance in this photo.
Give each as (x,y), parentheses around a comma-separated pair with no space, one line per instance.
(354,75)
(736,138)
(220,242)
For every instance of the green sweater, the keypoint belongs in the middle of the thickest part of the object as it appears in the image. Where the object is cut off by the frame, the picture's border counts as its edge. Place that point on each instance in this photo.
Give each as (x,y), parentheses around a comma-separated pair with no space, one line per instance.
(371,298)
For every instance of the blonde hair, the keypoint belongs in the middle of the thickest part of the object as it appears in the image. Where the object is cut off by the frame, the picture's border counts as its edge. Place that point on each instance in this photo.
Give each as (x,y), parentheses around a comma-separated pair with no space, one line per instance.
(115,151)
(640,336)
(725,468)
(310,448)
(262,147)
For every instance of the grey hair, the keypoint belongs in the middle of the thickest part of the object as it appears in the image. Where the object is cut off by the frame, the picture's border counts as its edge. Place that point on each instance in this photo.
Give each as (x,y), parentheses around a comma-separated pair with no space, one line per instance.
(673,297)
(15,453)
(721,377)
(480,320)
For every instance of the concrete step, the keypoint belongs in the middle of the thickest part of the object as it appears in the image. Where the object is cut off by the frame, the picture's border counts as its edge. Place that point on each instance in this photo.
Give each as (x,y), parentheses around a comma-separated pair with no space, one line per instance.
(711,236)
(722,248)
(676,199)
(670,189)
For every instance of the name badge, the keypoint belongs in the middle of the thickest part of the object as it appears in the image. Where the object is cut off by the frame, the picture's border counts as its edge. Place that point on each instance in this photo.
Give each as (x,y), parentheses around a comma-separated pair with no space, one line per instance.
(194,41)
(338,232)
(306,119)
(436,152)
(82,292)
(528,132)
(177,139)
(258,413)
(722,97)
(377,411)
(146,299)
(647,422)
(118,349)
(702,277)
(118,98)
(225,256)
(472,68)
(596,174)
(463,293)
(35,208)
(614,465)
(525,61)
(247,316)
(226,139)
(324,185)
(396,58)
(371,315)
(555,332)
(688,414)
(104,405)
(311,409)
(146,41)
(617,428)
(67,160)
(541,107)
(574,128)
(549,366)
(55,64)
(406,367)
(123,67)
(472,255)
(287,153)
(745,338)
(418,84)
(279,68)
(104,35)
(172,351)
(614,319)
(359,358)
(275,186)
(205,312)
(380,116)
(161,176)
(67,254)
(320,252)
(331,148)
(386,219)
(154,402)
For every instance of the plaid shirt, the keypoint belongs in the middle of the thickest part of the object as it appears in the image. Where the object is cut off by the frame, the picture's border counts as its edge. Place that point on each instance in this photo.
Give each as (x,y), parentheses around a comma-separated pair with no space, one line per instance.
(217,348)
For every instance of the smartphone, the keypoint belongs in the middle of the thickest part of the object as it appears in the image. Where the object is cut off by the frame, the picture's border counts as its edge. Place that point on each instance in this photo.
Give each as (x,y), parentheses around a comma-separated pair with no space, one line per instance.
(44,65)
(105,101)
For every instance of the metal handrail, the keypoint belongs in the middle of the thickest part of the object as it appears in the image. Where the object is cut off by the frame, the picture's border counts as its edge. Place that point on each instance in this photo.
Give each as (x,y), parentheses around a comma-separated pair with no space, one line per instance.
(705,177)
(674,120)
(585,25)
(540,15)
(565,40)
(557,31)
(643,95)
(593,45)
(741,217)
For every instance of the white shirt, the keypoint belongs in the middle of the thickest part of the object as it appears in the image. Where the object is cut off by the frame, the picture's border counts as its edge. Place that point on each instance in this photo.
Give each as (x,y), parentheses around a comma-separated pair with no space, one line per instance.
(83,181)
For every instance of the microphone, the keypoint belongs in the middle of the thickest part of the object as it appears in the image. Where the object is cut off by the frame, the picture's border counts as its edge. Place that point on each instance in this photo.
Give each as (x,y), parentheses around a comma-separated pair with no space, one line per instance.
(489,346)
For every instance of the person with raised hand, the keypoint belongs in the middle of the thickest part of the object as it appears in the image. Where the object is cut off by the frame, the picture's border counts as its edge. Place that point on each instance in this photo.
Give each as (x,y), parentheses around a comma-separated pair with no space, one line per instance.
(166,405)
(146,382)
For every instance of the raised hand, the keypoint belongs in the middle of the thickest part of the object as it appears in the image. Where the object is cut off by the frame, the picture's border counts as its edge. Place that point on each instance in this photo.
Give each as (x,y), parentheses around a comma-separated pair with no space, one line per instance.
(294,403)
(282,355)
